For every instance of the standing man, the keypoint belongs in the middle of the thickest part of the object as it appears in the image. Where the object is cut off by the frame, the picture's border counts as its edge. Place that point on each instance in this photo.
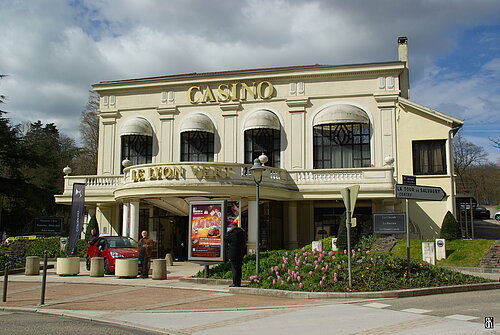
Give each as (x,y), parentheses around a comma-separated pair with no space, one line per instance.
(94,236)
(145,246)
(237,248)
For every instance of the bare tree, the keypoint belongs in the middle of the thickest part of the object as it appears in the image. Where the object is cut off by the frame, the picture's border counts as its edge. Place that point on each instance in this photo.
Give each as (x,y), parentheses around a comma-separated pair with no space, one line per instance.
(467,155)
(496,142)
(89,132)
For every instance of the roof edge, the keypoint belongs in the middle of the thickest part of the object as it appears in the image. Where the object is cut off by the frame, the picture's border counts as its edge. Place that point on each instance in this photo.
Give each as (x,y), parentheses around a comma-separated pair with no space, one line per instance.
(448,118)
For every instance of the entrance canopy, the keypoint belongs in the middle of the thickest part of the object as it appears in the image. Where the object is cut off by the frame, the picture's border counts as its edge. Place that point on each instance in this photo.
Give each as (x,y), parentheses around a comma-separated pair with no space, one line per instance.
(341,114)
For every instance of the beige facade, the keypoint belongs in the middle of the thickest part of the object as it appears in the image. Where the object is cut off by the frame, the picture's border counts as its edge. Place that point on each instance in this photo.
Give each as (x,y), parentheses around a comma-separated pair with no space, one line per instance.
(325,128)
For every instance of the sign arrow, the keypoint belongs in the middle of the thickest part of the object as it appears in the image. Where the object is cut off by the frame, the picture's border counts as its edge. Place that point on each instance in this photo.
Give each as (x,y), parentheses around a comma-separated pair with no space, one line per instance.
(417,192)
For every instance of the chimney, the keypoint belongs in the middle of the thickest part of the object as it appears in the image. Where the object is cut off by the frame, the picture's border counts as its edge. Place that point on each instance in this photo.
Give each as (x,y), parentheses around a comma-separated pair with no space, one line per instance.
(403,49)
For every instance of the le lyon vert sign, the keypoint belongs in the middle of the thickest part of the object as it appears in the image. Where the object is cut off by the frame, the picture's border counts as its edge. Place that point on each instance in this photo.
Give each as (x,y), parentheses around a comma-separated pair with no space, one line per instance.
(177,172)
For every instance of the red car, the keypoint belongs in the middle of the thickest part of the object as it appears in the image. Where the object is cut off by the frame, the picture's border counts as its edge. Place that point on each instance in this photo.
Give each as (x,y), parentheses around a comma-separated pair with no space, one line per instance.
(112,248)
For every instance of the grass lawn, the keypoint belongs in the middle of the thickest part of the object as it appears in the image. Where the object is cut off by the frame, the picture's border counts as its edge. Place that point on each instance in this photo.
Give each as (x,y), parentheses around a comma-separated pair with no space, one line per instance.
(460,253)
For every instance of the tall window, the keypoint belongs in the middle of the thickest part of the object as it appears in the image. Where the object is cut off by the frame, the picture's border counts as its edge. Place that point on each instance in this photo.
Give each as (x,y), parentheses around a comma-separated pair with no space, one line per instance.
(429,157)
(137,148)
(197,146)
(343,145)
(263,141)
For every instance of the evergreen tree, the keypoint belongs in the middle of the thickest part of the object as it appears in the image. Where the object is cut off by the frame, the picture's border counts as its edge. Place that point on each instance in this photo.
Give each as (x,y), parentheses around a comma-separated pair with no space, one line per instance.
(91,225)
(450,230)
(342,234)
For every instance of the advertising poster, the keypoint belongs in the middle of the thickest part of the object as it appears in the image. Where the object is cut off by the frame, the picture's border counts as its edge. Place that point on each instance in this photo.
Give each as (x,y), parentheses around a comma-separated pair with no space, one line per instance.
(206,221)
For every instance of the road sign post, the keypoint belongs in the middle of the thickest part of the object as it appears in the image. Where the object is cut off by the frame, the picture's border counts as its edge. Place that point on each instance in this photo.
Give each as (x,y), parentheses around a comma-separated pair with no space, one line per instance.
(410,191)
(349,194)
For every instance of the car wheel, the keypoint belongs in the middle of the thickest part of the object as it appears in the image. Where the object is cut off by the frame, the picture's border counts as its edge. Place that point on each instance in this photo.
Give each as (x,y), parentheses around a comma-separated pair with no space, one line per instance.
(497,217)
(87,263)
(107,271)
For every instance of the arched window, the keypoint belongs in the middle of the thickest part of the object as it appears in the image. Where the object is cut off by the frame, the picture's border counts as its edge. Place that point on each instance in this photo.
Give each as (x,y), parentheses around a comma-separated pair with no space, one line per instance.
(137,141)
(341,138)
(197,146)
(262,136)
(197,139)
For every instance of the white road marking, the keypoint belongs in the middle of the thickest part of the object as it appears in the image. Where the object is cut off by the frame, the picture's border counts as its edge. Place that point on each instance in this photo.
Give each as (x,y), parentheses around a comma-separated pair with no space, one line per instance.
(416,310)
(376,305)
(461,317)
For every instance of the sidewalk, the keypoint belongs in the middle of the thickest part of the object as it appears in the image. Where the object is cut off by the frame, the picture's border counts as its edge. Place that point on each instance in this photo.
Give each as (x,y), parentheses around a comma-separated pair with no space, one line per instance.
(176,306)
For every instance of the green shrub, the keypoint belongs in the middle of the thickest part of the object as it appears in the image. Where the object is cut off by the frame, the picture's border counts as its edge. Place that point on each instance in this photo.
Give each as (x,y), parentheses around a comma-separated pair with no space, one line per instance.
(342,235)
(450,230)
(36,247)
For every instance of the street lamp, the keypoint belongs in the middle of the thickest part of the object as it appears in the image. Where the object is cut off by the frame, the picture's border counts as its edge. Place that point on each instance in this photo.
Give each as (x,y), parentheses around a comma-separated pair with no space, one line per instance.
(257,170)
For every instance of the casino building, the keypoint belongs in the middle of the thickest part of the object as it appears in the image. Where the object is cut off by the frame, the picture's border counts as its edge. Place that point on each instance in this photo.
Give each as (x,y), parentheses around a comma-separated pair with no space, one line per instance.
(165,141)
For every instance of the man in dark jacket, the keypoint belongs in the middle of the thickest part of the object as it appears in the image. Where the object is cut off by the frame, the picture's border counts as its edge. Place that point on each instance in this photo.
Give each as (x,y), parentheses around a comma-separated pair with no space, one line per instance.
(237,248)
(145,246)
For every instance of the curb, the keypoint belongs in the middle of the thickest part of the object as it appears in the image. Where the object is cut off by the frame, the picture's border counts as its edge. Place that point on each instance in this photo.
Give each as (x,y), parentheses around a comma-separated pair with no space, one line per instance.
(340,295)
(21,270)
(477,269)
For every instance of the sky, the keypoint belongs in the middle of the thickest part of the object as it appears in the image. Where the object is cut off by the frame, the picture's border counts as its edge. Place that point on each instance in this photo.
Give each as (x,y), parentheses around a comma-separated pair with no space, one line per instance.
(52,51)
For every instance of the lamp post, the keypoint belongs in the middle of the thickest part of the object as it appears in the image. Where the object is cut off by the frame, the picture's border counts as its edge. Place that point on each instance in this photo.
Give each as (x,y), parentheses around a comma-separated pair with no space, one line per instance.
(257,170)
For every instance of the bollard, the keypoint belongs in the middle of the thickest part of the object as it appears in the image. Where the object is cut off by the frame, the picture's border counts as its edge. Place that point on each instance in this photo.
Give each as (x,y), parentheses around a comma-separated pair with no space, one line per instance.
(69,266)
(159,269)
(5,281)
(126,267)
(44,278)
(170,259)
(97,267)
(32,266)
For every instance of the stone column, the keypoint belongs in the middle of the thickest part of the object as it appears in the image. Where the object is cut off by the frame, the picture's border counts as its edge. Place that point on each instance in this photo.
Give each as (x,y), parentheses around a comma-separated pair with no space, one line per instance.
(134,220)
(126,221)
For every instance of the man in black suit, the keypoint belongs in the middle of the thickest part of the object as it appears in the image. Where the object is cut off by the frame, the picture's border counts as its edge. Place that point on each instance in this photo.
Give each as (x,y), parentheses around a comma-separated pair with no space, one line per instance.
(237,249)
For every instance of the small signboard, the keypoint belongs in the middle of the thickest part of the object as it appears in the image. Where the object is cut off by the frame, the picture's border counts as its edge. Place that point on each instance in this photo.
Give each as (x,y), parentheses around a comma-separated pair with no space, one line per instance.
(417,192)
(409,180)
(48,226)
(389,223)
(206,230)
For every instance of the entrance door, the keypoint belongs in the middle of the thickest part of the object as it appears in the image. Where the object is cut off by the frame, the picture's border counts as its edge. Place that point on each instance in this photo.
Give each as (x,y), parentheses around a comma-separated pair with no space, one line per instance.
(171,232)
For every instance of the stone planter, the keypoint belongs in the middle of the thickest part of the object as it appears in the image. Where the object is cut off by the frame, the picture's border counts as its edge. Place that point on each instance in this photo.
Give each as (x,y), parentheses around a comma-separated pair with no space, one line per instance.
(159,269)
(32,266)
(97,267)
(127,267)
(68,266)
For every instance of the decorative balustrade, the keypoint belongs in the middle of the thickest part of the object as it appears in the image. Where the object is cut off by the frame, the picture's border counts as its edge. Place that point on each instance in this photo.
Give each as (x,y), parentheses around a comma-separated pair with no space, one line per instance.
(229,173)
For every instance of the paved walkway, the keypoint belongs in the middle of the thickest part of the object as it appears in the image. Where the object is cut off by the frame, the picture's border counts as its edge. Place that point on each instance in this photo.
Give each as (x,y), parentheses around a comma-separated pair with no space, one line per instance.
(174,306)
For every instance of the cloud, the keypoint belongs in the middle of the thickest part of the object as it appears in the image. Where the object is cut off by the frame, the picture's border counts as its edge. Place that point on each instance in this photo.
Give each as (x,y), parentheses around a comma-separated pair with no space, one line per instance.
(53,51)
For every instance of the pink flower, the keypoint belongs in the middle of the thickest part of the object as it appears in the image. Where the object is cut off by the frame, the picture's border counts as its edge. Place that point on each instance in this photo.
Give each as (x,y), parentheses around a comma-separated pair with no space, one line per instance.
(330,254)
(274,281)
(301,285)
(333,257)
(299,279)
(286,253)
(303,249)
(316,267)
(296,267)
(320,283)
(323,269)
(278,277)
(289,278)
(335,279)
(326,267)
(310,273)
(339,267)
(289,271)
(282,282)
(359,249)
(345,251)
(294,275)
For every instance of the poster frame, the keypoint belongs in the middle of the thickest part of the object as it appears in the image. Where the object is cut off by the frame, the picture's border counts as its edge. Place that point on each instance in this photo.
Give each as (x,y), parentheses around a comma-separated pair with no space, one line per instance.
(222,205)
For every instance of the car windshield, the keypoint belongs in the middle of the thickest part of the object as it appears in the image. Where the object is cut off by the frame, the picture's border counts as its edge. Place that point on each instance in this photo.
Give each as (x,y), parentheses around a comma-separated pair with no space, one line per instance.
(121,242)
